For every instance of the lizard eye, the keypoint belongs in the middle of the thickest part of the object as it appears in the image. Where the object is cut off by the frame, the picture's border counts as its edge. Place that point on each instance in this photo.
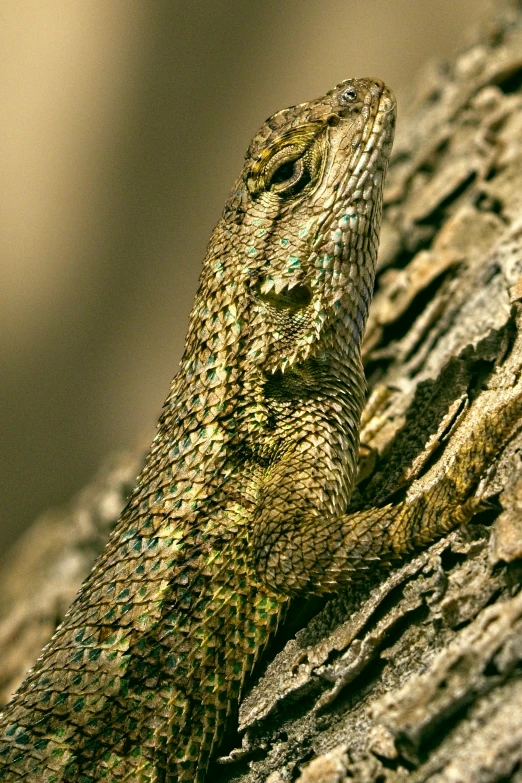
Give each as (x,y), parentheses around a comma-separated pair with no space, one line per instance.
(284,173)
(287,177)
(290,163)
(290,176)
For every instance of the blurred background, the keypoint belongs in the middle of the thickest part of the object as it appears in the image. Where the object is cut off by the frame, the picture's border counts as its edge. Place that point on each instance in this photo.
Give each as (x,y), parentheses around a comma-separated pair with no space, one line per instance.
(124,124)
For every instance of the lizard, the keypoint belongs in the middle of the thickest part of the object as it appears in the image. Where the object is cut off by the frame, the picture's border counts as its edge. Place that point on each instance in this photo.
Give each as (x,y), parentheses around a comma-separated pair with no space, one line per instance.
(241,505)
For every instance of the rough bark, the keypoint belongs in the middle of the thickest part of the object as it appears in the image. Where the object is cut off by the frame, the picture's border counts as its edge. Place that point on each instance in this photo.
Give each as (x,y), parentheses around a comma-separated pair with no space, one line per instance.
(416,676)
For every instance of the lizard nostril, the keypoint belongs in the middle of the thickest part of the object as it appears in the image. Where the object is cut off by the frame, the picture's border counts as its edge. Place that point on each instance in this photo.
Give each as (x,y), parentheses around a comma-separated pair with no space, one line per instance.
(347,96)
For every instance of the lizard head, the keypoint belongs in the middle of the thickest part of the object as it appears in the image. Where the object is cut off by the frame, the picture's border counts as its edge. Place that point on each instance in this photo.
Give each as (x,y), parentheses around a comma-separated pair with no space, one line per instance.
(290,267)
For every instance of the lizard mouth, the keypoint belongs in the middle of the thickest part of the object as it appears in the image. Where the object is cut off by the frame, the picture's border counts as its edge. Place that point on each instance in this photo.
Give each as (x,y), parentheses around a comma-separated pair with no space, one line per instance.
(372,111)
(366,107)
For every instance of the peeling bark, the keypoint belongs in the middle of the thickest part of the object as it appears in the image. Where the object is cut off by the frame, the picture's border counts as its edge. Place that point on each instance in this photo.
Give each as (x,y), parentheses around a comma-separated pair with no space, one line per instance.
(416,676)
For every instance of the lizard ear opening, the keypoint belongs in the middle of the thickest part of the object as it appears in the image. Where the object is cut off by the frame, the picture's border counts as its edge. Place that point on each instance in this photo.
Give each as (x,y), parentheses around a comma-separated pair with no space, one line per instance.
(296,298)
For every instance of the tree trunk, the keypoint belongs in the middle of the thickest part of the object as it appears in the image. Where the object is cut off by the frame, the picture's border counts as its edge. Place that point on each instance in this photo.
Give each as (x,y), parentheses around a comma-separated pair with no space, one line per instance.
(417,676)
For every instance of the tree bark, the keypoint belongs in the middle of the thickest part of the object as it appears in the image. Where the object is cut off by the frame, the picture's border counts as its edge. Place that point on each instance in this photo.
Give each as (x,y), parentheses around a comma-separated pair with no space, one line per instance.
(417,676)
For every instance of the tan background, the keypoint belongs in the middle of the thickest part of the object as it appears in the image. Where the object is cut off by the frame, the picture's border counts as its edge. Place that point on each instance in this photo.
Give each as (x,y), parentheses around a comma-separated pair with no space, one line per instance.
(123,125)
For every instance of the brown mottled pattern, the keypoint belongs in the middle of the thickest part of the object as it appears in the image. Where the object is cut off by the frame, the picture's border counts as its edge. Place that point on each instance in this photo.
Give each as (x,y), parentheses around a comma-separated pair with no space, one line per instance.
(242,501)
(240,504)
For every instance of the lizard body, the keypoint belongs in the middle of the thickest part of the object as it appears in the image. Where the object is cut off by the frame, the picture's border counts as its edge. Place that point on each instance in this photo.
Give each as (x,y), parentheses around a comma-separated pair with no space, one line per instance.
(241,502)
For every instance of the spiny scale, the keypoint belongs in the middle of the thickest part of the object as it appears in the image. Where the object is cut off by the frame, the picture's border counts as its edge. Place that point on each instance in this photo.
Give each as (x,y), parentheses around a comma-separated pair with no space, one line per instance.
(259,432)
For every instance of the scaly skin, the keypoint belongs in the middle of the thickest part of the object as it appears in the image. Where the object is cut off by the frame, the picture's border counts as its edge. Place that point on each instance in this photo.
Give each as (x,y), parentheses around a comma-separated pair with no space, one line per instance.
(150,661)
(241,503)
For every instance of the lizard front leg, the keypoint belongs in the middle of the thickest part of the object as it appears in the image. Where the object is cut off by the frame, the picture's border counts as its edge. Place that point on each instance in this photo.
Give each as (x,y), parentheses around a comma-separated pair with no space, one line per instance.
(298,551)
